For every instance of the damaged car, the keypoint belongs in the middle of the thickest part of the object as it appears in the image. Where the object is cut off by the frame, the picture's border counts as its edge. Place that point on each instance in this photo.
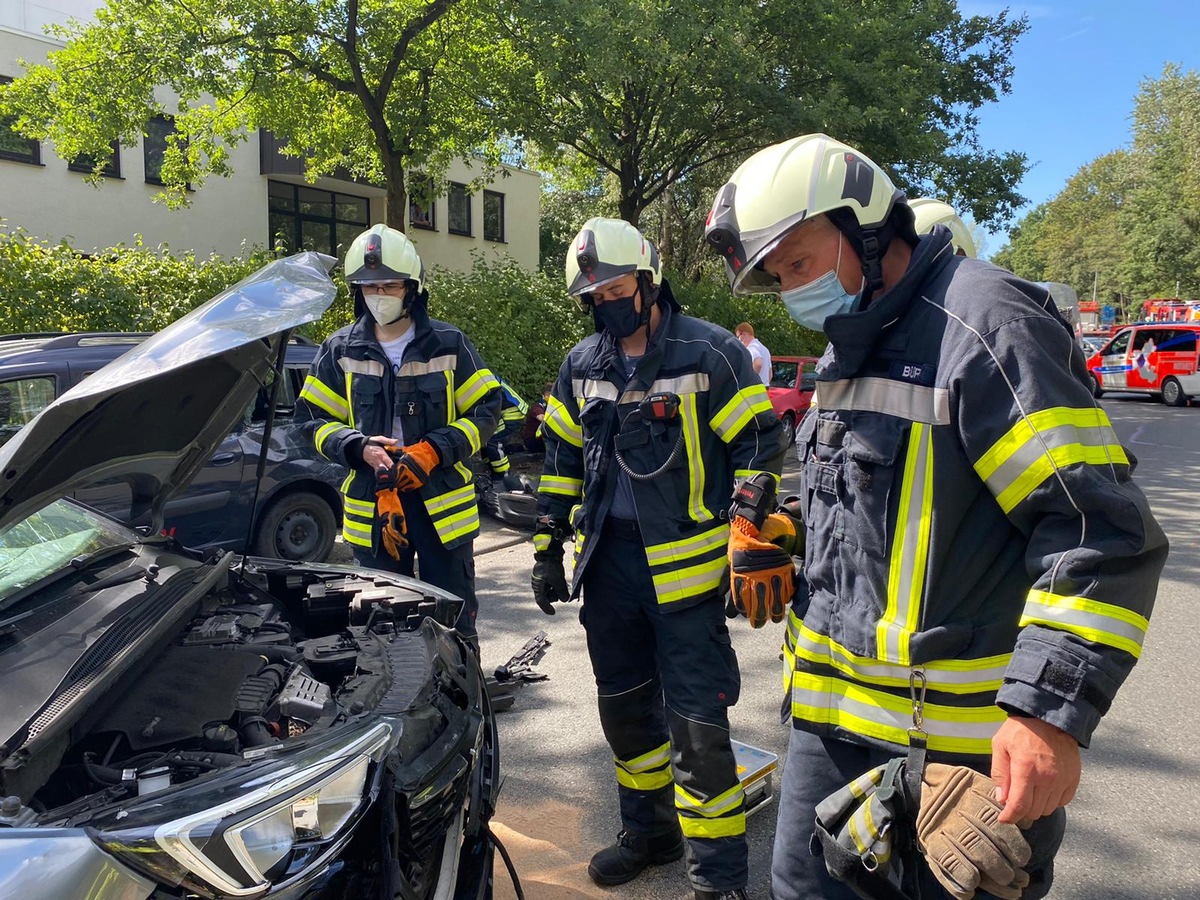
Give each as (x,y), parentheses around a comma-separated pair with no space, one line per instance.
(184,724)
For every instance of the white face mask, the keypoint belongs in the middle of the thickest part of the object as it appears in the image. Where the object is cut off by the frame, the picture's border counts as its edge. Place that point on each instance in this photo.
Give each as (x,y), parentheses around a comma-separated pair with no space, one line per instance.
(385,308)
(811,304)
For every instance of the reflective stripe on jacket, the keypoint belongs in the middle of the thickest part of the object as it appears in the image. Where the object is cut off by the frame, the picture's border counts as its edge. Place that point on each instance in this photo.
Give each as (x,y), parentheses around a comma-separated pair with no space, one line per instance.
(970,519)
(442,391)
(725,430)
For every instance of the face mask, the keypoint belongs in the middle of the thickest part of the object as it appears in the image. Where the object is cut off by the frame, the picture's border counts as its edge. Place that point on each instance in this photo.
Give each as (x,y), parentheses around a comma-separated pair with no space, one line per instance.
(619,317)
(385,308)
(811,304)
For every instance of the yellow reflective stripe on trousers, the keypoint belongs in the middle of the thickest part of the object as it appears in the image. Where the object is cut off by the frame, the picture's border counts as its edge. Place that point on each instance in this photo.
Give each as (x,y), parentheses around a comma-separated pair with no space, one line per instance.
(887,717)
(726,826)
(1092,620)
(914,402)
(730,419)
(321,395)
(984,675)
(723,803)
(354,529)
(695,459)
(559,420)
(1042,442)
(647,772)
(473,389)
(323,434)
(910,549)
(471,430)
(561,485)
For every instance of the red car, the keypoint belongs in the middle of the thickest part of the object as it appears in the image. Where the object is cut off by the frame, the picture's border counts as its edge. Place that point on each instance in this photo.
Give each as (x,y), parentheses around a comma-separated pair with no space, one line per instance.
(793,379)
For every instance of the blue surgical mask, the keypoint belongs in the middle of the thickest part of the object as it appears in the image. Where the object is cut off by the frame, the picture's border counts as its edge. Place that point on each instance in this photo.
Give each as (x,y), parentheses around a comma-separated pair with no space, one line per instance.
(811,304)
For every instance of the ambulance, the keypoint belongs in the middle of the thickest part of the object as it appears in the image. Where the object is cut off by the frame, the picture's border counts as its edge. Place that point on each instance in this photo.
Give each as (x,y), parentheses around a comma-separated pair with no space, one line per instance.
(1156,358)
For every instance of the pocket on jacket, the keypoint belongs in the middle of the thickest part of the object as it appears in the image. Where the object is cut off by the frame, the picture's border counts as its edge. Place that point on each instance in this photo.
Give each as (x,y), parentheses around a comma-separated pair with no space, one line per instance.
(869,474)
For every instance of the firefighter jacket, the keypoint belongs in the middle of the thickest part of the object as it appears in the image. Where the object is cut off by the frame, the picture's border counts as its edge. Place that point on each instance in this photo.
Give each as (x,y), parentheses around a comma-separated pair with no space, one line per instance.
(512,414)
(444,394)
(971,527)
(725,429)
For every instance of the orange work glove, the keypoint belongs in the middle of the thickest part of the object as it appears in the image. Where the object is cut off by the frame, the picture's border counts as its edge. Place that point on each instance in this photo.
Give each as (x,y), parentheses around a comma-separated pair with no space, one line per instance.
(394,535)
(763,576)
(412,467)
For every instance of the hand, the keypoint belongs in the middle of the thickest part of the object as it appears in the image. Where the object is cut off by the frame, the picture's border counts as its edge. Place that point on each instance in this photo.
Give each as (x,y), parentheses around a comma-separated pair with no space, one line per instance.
(375,452)
(763,576)
(549,581)
(1036,768)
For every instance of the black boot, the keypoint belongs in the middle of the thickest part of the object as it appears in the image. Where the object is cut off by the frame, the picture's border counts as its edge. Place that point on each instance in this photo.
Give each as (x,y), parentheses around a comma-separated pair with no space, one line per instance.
(732,894)
(625,860)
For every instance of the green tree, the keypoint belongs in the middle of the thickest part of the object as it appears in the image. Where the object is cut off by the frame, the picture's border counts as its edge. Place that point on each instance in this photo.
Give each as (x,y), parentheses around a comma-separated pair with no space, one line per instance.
(377,88)
(653,91)
(1162,217)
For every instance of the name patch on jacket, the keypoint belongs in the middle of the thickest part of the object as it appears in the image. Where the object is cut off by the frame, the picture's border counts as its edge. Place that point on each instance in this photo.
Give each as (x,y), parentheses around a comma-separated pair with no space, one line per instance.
(913,373)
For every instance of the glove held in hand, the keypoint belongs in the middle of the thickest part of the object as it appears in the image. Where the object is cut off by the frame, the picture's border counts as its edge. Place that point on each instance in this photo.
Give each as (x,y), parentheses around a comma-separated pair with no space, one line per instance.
(412,467)
(965,844)
(394,532)
(763,577)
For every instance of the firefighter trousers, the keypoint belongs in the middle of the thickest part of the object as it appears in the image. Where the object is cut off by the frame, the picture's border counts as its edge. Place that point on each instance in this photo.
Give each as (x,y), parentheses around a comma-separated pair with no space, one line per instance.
(451,570)
(816,767)
(666,679)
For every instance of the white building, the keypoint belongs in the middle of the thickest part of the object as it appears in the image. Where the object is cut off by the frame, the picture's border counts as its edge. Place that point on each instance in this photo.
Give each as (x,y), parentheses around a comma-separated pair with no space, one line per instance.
(267,194)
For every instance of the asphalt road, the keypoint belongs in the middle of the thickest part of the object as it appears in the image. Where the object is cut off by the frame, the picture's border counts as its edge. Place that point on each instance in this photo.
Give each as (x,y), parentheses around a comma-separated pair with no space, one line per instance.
(1134,829)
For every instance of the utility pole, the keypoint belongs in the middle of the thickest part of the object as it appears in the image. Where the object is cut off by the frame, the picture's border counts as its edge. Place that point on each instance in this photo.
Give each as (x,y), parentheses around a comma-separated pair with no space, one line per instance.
(1095,280)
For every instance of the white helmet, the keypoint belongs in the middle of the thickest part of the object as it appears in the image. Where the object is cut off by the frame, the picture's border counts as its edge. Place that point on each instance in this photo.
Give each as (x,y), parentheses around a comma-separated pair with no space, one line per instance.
(383,254)
(606,249)
(929,212)
(783,185)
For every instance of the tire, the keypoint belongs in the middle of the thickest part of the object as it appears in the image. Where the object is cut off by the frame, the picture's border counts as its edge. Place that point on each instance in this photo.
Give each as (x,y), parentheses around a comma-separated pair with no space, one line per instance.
(789,428)
(299,526)
(1172,393)
(1097,391)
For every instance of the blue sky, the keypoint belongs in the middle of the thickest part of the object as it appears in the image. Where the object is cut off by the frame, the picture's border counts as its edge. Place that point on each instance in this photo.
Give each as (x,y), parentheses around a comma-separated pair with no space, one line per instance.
(1078,69)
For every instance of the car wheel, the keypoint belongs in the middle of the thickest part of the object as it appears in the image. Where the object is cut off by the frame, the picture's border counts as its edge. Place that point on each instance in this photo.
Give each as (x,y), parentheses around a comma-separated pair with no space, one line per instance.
(789,428)
(297,526)
(1172,393)
(1097,391)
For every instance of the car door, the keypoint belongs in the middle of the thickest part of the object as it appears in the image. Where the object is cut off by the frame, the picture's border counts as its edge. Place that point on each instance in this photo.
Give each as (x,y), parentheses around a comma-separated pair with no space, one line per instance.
(1113,367)
(22,398)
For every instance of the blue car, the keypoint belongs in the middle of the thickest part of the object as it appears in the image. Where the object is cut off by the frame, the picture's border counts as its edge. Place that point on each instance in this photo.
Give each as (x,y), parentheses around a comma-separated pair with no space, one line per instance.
(298,506)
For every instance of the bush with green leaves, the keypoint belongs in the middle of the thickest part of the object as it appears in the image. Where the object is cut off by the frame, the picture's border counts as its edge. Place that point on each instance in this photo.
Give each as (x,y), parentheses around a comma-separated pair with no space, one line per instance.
(523,324)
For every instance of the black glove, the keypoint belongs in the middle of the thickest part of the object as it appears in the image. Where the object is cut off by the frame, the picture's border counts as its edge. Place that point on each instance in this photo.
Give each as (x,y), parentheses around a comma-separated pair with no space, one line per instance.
(549,580)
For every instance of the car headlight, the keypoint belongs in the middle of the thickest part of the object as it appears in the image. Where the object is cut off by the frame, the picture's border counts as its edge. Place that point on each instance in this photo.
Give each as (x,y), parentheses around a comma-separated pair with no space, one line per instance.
(249,829)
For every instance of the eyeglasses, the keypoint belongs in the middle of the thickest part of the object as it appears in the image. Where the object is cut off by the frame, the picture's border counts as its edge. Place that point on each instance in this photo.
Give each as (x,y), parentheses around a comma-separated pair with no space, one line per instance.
(395,288)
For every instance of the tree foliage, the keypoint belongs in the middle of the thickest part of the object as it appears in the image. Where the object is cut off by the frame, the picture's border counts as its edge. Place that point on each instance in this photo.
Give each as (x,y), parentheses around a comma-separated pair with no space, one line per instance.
(654,91)
(1128,222)
(373,87)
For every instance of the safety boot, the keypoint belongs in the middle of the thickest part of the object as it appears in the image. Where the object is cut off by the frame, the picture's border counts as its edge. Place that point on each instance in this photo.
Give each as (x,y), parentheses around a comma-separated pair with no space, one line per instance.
(732,894)
(632,853)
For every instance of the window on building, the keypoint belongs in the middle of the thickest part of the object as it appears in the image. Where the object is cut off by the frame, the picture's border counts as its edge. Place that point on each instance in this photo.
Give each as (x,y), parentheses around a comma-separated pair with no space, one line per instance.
(154,146)
(87,164)
(12,145)
(421,207)
(458,209)
(306,218)
(493,216)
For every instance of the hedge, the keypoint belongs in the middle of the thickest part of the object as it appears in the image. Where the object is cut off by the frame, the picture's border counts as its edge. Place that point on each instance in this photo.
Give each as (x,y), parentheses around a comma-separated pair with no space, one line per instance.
(523,324)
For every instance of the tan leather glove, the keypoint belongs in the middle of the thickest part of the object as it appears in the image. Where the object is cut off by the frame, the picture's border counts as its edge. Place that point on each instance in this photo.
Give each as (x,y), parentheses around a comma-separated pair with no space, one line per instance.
(967,848)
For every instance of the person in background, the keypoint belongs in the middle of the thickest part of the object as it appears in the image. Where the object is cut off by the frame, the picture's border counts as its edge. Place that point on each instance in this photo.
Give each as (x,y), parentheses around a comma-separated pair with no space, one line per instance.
(928,212)
(760,356)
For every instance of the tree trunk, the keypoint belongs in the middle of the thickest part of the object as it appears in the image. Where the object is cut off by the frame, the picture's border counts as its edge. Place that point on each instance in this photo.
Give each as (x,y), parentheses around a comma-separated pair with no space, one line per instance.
(396,208)
(666,234)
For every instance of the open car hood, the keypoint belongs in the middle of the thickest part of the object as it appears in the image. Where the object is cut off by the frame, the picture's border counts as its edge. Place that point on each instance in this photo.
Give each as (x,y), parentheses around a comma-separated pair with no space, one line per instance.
(154,416)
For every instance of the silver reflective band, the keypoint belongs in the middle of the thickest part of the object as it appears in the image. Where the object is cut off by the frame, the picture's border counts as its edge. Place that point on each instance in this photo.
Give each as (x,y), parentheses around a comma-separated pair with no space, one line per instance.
(361,366)
(914,402)
(437,364)
(1035,448)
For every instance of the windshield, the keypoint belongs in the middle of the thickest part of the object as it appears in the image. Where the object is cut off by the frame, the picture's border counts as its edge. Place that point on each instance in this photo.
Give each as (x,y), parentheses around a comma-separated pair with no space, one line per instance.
(48,540)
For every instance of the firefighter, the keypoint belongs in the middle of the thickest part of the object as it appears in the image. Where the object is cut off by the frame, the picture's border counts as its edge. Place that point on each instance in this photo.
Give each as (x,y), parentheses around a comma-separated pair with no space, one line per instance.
(928,212)
(403,401)
(651,422)
(978,564)
(512,419)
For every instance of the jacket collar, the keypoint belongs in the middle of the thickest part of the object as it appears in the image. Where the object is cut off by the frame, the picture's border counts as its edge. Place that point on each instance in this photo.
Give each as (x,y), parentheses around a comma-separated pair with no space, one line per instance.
(607,364)
(362,335)
(852,336)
